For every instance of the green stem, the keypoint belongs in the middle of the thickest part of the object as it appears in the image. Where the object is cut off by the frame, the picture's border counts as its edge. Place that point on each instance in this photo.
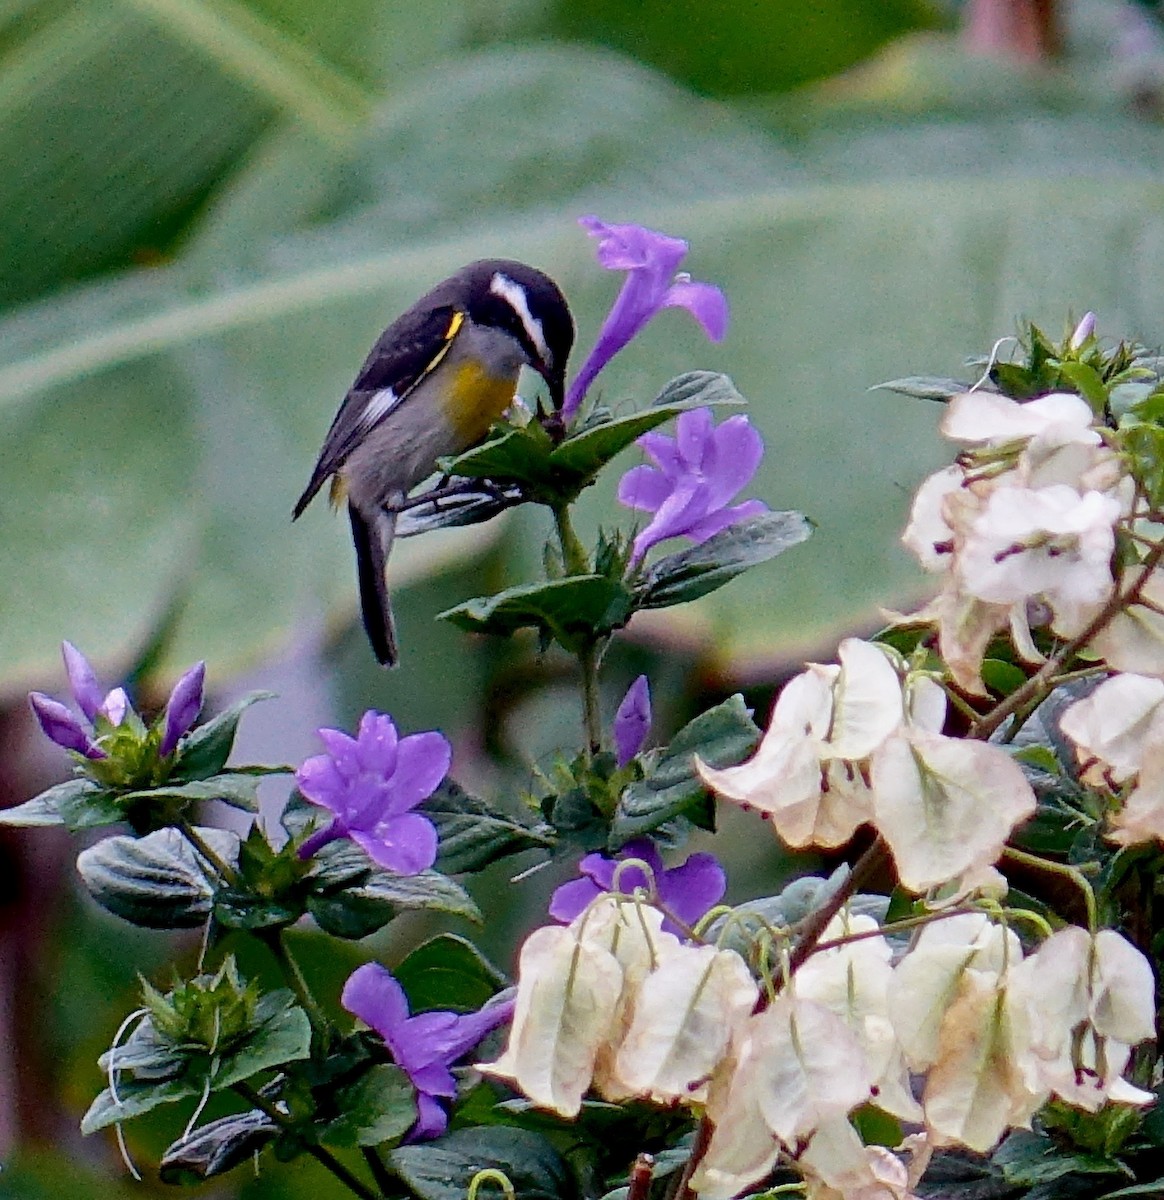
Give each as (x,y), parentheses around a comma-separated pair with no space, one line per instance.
(228,874)
(575,561)
(810,931)
(321,1155)
(1065,871)
(294,977)
(588,660)
(573,553)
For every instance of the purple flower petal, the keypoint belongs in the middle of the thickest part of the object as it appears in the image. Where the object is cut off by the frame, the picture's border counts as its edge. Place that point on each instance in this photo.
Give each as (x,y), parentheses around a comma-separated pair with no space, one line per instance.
(632,721)
(423,761)
(406,845)
(183,708)
(687,891)
(424,1046)
(691,889)
(683,508)
(572,899)
(82,681)
(702,468)
(62,727)
(704,301)
(700,531)
(694,437)
(431,1121)
(377,743)
(472,1027)
(373,994)
(635,248)
(736,451)
(650,260)
(371,782)
(665,453)
(643,487)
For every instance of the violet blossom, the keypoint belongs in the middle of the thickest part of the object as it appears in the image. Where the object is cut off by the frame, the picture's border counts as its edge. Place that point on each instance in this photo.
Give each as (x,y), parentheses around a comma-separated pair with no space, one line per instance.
(696,475)
(103,711)
(425,1046)
(632,721)
(371,783)
(650,261)
(685,892)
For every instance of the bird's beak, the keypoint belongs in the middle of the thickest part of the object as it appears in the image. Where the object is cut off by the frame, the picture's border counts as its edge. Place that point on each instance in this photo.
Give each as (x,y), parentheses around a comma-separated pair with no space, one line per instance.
(556,382)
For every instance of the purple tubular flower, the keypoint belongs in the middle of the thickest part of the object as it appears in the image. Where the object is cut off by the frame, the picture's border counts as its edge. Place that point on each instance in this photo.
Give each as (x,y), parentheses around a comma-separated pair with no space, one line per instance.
(685,892)
(425,1046)
(371,783)
(697,473)
(650,261)
(182,710)
(632,722)
(82,681)
(62,727)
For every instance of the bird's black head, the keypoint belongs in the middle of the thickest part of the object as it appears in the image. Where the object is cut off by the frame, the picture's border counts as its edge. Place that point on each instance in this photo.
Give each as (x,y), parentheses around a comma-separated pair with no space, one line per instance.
(529,306)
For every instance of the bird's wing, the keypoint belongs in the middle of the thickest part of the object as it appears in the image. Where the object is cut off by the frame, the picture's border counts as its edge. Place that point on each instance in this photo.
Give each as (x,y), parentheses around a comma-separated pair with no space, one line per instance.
(406,352)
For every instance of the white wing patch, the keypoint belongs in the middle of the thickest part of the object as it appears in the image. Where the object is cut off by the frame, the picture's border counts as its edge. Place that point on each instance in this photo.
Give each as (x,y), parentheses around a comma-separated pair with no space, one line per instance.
(514,295)
(380,403)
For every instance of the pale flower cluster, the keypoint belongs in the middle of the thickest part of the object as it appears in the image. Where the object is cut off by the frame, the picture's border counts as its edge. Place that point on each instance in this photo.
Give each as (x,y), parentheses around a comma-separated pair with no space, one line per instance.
(962,1036)
(1118,734)
(1022,528)
(858,743)
(613,1002)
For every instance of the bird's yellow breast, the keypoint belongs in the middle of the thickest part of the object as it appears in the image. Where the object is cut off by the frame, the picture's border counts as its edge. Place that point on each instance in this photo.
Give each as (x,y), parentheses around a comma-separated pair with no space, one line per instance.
(475,399)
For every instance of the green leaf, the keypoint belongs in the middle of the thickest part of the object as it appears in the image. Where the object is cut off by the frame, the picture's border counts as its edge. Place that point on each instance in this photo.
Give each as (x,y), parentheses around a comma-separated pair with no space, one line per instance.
(925,387)
(747,51)
(723,737)
(564,609)
(215,1148)
(237,789)
(1087,383)
(692,573)
(378,1107)
(1002,677)
(443,1169)
(133,1099)
(1154,1188)
(517,455)
(356,911)
(157,881)
(283,1035)
(473,834)
(204,751)
(81,804)
(73,796)
(448,972)
(584,454)
(1028,1159)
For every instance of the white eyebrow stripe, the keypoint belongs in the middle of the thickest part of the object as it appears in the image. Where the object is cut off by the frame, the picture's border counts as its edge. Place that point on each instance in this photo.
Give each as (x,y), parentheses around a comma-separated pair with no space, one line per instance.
(514,295)
(379,404)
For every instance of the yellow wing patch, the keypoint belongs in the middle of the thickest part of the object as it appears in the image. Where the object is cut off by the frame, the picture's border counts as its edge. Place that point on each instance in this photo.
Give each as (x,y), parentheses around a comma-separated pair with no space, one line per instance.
(338,491)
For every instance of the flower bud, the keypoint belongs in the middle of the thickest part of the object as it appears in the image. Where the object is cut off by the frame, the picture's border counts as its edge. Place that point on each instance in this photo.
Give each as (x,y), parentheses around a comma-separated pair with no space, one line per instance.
(62,727)
(183,708)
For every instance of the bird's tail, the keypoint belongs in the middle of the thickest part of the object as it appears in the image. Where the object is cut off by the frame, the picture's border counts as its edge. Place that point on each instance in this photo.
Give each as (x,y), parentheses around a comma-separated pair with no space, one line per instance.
(373,541)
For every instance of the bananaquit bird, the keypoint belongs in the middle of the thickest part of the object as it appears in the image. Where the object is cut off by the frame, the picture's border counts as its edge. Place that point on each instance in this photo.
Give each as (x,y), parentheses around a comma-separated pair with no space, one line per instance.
(433,384)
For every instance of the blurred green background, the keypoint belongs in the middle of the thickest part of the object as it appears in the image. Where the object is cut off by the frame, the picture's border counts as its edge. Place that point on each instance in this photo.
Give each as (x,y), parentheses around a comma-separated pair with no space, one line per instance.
(210,208)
